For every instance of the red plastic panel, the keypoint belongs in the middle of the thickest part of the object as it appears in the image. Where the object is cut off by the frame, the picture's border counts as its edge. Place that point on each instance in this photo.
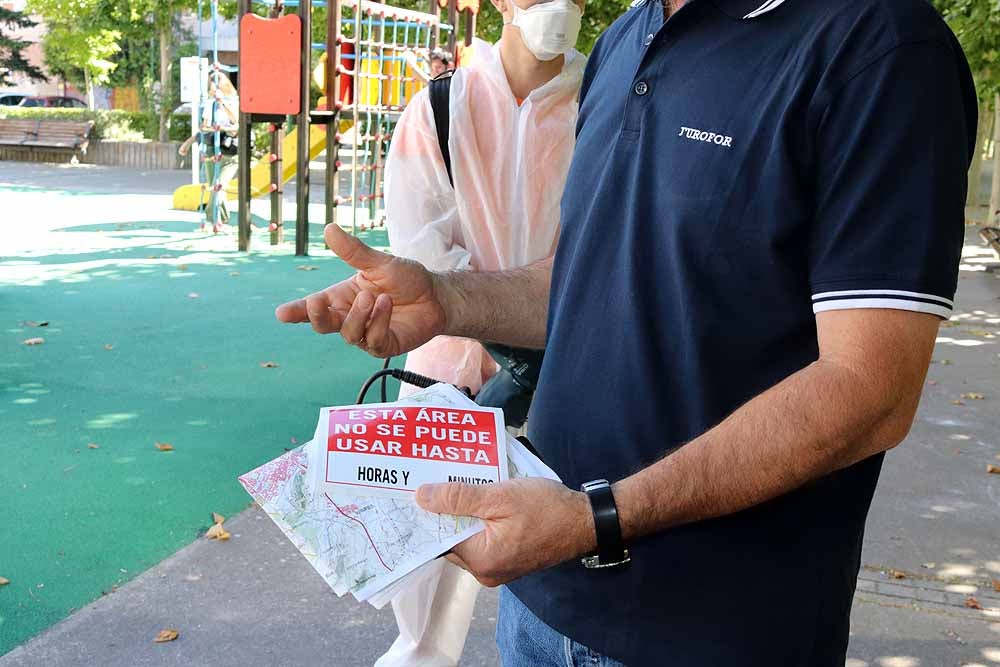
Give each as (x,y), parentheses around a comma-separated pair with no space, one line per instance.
(270,64)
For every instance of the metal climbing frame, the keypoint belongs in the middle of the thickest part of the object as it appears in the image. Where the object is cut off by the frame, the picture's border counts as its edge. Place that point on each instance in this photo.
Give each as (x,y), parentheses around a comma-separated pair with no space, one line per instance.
(366,83)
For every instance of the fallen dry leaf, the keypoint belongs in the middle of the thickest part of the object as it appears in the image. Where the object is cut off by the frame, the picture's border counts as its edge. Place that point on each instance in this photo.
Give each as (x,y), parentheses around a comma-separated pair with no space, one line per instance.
(164,446)
(972,603)
(897,574)
(34,341)
(109,346)
(929,566)
(217,518)
(269,364)
(193,295)
(92,445)
(167,635)
(234,273)
(182,267)
(996,584)
(307,267)
(992,469)
(217,532)
(957,402)
(945,362)
(32,323)
(4,581)
(932,382)
(294,440)
(973,396)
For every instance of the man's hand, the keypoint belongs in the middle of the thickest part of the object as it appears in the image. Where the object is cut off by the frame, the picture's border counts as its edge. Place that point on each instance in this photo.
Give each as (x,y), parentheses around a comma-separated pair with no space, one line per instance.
(390,306)
(531,524)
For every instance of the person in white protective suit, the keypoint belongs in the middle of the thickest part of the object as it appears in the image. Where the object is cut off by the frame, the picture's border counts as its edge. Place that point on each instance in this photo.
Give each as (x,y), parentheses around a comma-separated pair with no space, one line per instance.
(512,130)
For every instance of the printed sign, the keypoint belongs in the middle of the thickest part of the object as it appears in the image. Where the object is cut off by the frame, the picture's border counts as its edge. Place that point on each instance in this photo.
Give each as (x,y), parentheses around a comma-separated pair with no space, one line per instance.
(391,449)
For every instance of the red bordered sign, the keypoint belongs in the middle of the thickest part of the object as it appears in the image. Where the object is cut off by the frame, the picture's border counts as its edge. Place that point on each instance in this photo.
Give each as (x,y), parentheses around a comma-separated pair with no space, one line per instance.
(390,450)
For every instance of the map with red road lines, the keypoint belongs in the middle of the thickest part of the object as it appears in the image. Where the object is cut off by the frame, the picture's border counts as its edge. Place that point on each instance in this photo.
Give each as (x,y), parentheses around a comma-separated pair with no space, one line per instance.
(366,545)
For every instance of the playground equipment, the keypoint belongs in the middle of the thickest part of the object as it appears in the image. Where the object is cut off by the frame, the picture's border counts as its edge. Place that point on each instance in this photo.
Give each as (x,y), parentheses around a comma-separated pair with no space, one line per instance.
(207,154)
(193,196)
(363,95)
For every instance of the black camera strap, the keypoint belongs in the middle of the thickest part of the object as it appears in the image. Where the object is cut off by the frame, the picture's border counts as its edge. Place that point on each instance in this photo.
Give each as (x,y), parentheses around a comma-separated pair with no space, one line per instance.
(440,97)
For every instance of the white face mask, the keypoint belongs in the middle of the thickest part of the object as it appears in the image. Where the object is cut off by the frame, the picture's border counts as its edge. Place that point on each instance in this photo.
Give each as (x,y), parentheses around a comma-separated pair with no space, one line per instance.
(549,29)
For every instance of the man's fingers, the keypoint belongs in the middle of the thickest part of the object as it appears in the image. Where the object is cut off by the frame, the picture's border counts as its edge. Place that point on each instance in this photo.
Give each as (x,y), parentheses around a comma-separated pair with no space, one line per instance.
(355,324)
(292,312)
(473,555)
(377,336)
(352,250)
(320,316)
(455,498)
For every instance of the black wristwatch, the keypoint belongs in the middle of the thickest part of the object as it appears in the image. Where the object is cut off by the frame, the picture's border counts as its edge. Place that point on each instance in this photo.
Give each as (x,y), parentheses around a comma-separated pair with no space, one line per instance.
(611,551)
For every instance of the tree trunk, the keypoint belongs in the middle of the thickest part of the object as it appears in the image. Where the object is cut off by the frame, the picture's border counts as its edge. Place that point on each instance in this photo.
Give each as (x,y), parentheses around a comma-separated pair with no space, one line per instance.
(166,65)
(88,84)
(994,216)
(976,168)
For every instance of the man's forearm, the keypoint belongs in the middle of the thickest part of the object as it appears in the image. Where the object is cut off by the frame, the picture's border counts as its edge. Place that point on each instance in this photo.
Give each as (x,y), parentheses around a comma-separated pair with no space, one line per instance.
(509,307)
(821,419)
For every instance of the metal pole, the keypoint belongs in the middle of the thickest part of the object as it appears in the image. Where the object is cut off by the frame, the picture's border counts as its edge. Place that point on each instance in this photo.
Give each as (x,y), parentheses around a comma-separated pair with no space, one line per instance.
(356,102)
(329,89)
(434,9)
(453,22)
(333,149)
(197,154)
(243,175)
(302,146)
(277,217)
(217,191)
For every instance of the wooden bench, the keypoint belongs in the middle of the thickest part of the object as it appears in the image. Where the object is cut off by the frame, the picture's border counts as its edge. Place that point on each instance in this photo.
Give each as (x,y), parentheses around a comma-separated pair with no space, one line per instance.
(48,135)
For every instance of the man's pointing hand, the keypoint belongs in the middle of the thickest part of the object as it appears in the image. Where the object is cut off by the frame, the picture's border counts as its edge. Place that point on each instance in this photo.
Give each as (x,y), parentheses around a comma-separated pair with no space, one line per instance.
(390,306)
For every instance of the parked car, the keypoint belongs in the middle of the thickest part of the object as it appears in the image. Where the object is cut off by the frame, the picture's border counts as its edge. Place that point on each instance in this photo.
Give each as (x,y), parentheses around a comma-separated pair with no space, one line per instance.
(53,101)
(11,99)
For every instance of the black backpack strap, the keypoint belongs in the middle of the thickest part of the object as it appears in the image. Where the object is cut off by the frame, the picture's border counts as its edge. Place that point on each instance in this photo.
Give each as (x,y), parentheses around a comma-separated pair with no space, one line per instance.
(440,96)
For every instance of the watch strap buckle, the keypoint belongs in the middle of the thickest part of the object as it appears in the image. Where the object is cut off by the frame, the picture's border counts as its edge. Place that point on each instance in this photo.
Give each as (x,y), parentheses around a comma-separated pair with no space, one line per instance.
(593,562)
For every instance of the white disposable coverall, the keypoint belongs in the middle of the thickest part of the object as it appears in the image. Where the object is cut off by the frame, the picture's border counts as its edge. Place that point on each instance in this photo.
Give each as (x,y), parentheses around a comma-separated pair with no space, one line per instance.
(509,163)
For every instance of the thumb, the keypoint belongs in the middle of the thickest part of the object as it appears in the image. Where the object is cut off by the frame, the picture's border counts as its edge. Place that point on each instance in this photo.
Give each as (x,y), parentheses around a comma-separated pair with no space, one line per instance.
(454,498)
(352,250)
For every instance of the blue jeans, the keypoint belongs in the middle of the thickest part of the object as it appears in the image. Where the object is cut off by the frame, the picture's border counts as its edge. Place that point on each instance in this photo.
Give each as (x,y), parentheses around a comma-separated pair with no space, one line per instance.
(525,641)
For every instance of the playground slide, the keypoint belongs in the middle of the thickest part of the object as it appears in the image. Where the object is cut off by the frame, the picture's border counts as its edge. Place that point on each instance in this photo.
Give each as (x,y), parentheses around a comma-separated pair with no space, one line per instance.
(186,197)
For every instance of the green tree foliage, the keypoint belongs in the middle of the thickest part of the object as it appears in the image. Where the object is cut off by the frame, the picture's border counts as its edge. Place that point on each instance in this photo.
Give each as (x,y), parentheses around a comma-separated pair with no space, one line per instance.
(80,41)
(12,60)
(976,23)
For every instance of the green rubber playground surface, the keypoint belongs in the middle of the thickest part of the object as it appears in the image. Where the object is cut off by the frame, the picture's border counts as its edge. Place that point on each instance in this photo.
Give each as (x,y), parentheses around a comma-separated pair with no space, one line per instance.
(156,333)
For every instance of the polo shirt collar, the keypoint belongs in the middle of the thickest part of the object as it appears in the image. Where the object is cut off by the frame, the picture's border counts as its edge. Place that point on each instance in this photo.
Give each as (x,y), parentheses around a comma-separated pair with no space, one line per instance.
(747,9)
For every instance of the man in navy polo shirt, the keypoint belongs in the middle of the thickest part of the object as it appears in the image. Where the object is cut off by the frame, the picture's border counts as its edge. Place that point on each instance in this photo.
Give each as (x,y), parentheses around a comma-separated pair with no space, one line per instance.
(761,229)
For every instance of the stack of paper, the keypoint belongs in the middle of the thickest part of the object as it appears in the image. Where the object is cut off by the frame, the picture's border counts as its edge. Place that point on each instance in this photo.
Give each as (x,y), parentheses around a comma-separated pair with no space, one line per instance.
(372,543)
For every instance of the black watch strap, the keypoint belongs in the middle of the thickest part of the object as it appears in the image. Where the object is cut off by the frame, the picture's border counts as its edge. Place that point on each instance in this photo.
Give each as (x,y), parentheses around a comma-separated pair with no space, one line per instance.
(611,549)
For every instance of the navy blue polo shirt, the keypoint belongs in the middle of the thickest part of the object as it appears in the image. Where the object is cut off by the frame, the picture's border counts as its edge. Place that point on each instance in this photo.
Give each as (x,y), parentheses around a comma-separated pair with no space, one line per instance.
(739,168)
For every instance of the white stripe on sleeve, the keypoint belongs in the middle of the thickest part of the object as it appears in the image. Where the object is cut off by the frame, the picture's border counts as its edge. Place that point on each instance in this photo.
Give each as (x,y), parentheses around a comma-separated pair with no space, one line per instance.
(897,304)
